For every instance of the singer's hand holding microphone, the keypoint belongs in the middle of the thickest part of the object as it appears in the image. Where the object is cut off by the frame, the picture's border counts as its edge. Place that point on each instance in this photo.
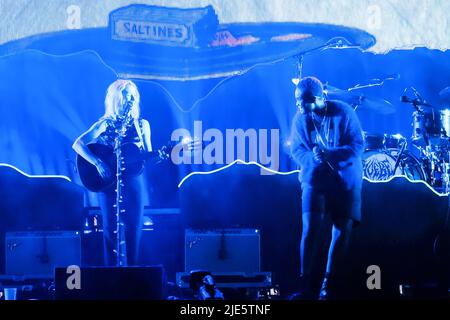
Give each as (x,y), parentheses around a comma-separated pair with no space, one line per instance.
(319,154)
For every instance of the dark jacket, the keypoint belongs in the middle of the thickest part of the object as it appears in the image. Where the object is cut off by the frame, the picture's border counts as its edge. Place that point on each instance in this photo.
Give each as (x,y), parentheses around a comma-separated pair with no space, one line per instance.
(344,154)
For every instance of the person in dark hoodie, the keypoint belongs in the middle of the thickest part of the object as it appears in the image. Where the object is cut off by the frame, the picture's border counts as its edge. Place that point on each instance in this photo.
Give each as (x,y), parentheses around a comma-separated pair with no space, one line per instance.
(327,143)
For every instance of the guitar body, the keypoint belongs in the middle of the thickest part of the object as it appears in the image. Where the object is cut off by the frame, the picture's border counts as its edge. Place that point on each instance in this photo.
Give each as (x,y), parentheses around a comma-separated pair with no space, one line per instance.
(91,179)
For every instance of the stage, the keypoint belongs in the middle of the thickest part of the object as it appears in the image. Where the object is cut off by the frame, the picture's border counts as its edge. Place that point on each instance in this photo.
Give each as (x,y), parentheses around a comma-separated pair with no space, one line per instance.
(167,137)
(402,231)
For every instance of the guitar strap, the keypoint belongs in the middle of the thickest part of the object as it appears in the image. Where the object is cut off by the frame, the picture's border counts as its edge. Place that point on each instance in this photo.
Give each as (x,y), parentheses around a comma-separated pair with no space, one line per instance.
(137,125)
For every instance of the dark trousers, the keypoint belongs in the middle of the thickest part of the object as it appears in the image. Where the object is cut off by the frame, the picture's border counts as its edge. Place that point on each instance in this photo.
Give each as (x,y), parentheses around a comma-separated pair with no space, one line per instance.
(132,220)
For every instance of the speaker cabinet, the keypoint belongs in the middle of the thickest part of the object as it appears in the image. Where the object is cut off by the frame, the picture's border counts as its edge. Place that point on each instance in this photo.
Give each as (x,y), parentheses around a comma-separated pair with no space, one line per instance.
(39,252)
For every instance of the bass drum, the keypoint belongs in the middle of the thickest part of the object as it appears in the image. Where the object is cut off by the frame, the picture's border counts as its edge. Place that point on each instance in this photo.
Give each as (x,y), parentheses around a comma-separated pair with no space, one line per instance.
(379,165)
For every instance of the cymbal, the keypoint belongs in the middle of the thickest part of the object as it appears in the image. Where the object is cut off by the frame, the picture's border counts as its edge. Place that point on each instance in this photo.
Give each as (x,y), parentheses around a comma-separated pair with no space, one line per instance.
(376,104)
(445,93)
(360,102)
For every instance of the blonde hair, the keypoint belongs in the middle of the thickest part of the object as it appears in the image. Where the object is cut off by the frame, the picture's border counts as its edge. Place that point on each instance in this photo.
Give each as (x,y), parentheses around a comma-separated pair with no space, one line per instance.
(114,99)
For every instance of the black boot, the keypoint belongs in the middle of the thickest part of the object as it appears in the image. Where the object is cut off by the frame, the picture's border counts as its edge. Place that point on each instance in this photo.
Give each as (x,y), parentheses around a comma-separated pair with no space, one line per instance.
(306,289)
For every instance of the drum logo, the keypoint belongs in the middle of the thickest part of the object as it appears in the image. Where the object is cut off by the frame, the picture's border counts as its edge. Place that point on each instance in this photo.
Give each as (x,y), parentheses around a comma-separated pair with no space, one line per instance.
(378,168)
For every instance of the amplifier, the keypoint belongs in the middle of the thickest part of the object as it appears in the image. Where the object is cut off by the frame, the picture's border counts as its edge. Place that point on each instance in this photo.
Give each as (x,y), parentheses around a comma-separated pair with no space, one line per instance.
(38,253)
(227,250)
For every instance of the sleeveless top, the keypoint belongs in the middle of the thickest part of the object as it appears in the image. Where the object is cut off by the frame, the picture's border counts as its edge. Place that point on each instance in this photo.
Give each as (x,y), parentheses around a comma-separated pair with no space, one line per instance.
(131,135)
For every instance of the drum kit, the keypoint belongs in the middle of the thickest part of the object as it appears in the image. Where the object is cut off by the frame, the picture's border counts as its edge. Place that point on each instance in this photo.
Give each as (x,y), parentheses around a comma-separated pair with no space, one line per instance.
(423,157)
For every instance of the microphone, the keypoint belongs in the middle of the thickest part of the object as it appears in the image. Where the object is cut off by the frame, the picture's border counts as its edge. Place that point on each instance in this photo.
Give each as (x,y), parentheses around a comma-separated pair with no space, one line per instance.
(404,97)
(127,109)
(418,101)
(124,116)
(417,94)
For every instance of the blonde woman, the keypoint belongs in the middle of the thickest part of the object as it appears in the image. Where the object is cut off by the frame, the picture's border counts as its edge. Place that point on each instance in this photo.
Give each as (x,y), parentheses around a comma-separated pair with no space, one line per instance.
(121,105)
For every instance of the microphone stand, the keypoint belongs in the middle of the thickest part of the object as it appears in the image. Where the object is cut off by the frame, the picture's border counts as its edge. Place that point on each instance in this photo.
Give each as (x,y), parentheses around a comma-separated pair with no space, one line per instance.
(337,42)
(399,156)
(121,250)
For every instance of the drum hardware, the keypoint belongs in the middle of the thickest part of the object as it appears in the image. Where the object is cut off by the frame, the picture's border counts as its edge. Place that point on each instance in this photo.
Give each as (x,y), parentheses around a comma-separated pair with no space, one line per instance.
(418,102)
(388,155)
(399,157)
(430,136)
